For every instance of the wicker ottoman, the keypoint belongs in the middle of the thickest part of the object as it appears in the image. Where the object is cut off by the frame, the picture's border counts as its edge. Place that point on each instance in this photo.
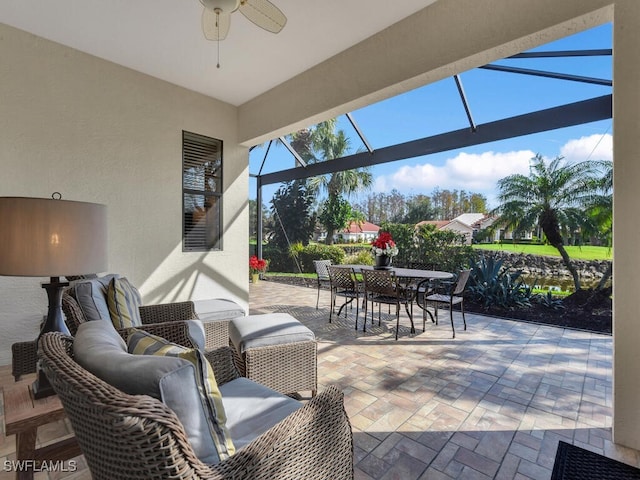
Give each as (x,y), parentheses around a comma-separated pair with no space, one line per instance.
(215,315)
(275,350)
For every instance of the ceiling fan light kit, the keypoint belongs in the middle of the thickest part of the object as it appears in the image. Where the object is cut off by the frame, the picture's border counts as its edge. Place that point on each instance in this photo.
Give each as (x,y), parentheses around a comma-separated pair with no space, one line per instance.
(216,17)
(225,6)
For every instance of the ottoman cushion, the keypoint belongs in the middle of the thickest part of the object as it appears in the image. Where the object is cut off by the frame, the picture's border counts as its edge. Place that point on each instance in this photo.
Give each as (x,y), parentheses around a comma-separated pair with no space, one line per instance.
(217,309)
(266,330)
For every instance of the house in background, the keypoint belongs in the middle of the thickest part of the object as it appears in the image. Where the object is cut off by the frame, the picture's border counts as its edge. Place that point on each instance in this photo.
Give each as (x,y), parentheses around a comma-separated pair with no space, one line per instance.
(466,224)
(358,233)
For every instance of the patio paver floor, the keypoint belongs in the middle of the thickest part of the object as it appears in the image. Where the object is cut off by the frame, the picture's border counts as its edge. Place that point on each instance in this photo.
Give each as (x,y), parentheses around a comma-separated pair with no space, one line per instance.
(492,403)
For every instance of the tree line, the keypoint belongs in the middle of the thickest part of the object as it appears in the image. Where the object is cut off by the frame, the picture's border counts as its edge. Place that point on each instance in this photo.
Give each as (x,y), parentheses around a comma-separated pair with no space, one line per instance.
(396,207)
(377,208)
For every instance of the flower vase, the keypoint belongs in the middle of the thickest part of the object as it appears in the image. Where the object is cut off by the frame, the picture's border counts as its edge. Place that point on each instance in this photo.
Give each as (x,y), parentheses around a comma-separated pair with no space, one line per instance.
(255,277)
(383,262)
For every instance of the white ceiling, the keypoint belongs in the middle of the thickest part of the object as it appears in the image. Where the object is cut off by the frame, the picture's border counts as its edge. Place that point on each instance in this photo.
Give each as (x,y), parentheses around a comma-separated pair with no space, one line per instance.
(163,38)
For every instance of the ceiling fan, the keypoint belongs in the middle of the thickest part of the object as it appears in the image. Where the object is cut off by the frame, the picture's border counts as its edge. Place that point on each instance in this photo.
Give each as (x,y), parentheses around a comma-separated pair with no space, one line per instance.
(216,17)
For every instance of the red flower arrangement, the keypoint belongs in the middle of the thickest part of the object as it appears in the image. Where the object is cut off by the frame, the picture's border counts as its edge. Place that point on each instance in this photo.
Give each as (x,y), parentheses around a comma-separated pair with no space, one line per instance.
(384,245)
(257,265)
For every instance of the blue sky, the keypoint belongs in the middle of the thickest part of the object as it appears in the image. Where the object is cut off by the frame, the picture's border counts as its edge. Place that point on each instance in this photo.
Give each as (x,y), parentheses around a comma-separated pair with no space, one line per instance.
(491,95)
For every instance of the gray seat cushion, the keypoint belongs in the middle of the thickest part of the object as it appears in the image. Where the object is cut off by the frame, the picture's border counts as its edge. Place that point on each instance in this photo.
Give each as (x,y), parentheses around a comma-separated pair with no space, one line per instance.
(252,409)
(266,330)
(99,349)
(217,309)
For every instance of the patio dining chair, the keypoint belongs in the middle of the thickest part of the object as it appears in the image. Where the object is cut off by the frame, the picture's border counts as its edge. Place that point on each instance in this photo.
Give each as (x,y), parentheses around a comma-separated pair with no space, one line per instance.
(344,284)
(417,289)
(323,275)
(454,296)
(382,287)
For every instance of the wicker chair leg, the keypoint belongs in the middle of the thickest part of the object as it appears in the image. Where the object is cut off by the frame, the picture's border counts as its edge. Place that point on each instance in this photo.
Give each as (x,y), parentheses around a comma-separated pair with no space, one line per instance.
(24,358)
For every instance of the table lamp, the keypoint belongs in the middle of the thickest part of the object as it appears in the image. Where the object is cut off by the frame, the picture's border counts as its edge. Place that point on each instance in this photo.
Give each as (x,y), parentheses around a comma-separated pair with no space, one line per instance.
(42,237)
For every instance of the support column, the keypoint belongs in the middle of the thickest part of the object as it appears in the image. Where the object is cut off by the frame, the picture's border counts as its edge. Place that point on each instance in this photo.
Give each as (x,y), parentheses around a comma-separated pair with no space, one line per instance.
(259,226)
(626,280)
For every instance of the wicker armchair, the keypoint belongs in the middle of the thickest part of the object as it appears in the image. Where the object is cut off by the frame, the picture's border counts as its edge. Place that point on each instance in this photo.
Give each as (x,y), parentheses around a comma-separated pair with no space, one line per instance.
(24,354)
(138,437)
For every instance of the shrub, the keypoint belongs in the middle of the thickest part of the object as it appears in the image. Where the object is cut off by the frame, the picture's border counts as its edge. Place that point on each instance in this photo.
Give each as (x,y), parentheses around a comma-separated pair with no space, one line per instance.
(361,257)
(444,249)
(317,251)
(279,260)
(493,285)
(403,236)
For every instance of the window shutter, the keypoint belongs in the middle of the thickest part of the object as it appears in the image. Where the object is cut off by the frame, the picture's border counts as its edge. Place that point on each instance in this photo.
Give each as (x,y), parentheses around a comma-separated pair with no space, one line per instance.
(202,192)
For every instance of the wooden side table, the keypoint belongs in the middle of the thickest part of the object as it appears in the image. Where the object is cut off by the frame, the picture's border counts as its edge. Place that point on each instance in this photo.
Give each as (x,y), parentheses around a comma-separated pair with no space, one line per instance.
(22,416)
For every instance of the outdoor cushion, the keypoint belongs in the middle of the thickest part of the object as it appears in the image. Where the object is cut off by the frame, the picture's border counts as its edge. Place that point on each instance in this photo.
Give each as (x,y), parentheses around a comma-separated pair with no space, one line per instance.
(196,333)
(99,349)
(252,409)
(264,330)
(217,309)
(124,303)
(142,343)
(92,296)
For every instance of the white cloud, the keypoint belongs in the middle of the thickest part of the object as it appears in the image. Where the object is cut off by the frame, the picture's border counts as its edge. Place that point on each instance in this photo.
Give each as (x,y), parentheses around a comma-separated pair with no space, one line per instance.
(593,147)
(479,173)
(476,173)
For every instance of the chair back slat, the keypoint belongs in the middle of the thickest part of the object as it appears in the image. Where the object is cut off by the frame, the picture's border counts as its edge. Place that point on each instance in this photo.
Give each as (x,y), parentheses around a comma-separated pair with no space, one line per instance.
(342,277)
(461,282)
(381,282)
(322,269)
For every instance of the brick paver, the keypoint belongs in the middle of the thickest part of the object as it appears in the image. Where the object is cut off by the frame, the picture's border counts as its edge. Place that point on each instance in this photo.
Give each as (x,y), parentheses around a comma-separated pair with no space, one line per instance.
(491,403)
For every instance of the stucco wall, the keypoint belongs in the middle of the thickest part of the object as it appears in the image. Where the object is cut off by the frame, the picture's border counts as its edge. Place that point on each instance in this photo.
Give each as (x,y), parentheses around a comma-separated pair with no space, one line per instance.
(98,132)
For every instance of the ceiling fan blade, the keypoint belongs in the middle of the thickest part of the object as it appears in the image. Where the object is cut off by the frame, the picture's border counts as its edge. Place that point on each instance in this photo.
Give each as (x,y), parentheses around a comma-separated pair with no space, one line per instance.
(215,27)
(264,14)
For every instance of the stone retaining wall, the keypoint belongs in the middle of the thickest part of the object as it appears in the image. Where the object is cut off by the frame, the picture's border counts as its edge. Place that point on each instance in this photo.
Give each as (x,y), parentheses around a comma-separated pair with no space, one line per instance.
(539,266)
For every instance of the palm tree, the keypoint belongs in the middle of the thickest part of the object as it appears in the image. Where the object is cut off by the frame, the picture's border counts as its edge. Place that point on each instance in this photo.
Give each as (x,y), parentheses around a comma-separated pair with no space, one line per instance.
(601,211)
(325,143)
(554,197)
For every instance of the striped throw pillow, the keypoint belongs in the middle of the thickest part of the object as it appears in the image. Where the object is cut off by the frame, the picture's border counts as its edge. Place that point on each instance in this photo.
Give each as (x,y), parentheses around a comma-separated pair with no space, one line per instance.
(143,343)
(124,303)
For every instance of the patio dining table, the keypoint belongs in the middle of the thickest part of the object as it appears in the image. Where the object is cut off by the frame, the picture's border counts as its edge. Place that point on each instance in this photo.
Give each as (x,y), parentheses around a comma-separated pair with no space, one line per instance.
(419,275)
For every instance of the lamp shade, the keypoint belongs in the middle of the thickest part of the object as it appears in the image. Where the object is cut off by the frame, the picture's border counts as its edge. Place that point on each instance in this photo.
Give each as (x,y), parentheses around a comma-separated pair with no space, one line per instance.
(42,237)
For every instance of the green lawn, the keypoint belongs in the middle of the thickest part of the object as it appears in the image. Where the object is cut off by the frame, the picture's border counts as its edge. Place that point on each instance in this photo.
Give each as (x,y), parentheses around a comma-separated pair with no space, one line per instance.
(579,253)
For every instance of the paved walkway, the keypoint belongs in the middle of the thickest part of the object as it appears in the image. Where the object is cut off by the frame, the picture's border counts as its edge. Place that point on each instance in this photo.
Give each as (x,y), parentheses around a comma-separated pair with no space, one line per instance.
(493,403)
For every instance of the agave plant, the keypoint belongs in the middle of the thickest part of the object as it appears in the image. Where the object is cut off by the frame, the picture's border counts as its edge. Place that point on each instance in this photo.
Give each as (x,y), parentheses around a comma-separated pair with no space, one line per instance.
(549,301)
(493,285)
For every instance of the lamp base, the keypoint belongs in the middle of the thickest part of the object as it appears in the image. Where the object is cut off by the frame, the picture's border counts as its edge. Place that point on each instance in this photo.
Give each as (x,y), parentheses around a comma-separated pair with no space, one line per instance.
(54,323)
(41,387)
